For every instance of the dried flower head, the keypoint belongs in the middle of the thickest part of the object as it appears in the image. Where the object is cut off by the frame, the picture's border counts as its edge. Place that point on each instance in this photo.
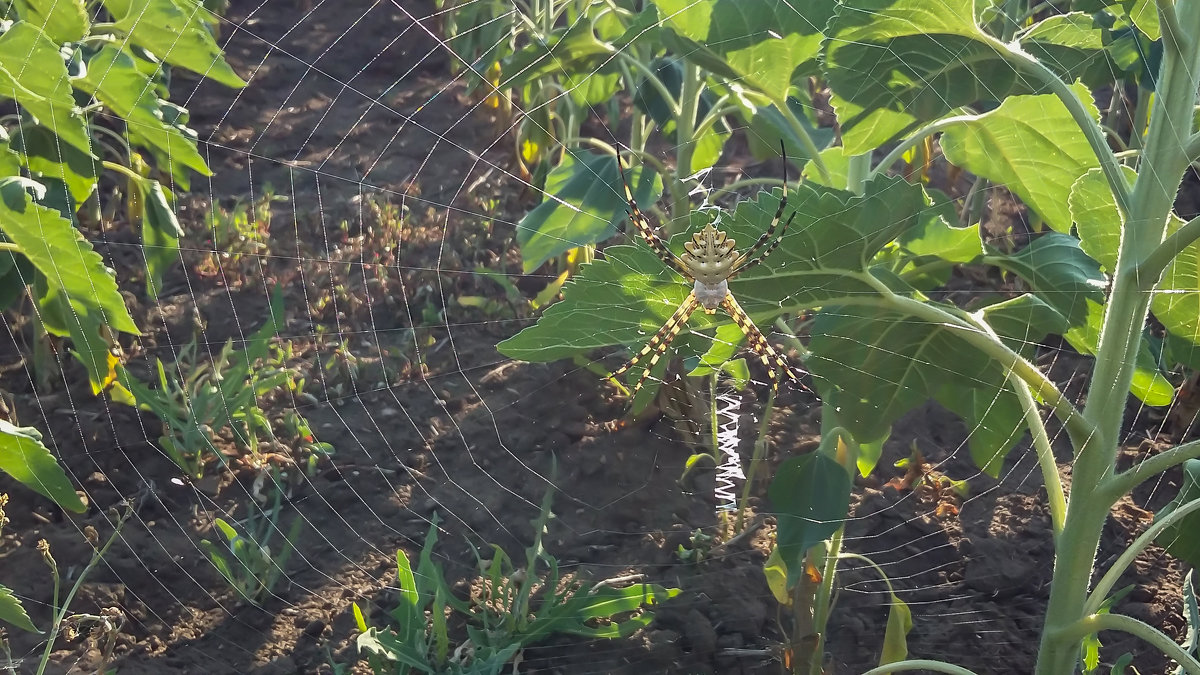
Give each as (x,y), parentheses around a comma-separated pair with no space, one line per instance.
(92,536)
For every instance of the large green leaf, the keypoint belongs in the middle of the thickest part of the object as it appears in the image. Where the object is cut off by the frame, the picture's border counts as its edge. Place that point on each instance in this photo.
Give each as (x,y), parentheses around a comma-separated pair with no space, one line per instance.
(893,64)
(49,158)
(113,77)
(1023,321)
(33,74)
(1032,146)
(767,125)
(585,201)
(873,367)
(24,457)
(1096,217)
(1176,301)
(1182,539)
(61,20)
(78,287)
(765,43)
(1059,272)
(12,612)
(1073,45)
(626,296)
(176,32)
(810,495)
(571,50)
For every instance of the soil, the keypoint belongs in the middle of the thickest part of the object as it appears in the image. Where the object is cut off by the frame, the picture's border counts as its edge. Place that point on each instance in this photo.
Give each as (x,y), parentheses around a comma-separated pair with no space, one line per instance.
(352,111)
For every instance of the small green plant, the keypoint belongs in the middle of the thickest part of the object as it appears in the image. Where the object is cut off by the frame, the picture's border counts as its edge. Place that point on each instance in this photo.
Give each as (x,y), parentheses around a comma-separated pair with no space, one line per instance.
(104,626)
(198,398)
(516,608)
(247,562)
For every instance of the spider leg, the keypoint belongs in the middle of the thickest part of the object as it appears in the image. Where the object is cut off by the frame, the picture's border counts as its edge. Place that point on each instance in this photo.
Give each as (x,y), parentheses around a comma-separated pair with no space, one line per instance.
(747,260)
(642,223)
(747,264)
(661,340)
(772,359)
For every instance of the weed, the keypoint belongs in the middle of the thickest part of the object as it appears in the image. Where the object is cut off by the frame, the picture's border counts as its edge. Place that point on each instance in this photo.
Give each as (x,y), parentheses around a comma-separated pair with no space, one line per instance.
(247,563)
(513,609)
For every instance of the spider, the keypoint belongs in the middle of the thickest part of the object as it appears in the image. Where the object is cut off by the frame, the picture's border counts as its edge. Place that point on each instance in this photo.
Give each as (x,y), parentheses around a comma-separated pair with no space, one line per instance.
(709,261)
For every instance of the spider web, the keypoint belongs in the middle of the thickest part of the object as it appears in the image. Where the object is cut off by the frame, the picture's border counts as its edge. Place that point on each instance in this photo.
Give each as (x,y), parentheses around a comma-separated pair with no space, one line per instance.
(360,174)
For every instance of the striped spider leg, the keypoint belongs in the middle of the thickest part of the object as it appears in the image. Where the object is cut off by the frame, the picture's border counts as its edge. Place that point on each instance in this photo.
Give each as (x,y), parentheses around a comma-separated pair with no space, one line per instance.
(709,261)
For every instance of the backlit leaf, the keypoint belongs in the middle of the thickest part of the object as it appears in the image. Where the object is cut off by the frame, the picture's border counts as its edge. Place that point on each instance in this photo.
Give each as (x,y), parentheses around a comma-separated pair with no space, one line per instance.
(79,287)
(893,64)
(175,31)
(12,612)
(1182,539)
(1032,146)
(765,43)
(33,74)
(584,203)
(24,457)
(114,78)
(61,20)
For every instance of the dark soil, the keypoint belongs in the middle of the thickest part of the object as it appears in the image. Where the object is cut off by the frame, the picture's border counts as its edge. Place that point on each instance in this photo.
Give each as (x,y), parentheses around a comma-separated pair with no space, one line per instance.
(351,110)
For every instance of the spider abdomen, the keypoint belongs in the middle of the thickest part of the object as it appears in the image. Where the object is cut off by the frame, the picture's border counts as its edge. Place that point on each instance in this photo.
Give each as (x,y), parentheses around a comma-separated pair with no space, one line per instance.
(710,296)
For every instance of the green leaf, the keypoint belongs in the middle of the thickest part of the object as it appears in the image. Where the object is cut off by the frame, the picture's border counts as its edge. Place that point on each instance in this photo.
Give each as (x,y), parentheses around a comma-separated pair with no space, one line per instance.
(48,157)
(584,203)
(765,43)
(573,50)
(61,20)
(78,286)
(113,77)
(893,64)
(1032,146)
(176,32)
(938,235)
(160,235)
(1176,299)
(995,419)
(767,125)
(727,340)
(1182,539)
(873,367)
(1059,272)
(25,458)
(1096,217)
(777,577)
(1148,384)
(708,148)
(33,74)
(895,636)
(626,296)
(1073,46)
(837,162)
(810,495)
(12,612)
(1144,15)
(1023,321)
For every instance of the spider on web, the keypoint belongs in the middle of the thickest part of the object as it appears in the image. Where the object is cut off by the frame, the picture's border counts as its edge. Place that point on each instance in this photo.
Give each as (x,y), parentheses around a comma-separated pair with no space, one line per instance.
(710,260)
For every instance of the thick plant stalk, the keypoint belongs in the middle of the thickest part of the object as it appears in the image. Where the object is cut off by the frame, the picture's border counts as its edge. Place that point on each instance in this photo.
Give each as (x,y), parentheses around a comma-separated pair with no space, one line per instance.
(1163,162)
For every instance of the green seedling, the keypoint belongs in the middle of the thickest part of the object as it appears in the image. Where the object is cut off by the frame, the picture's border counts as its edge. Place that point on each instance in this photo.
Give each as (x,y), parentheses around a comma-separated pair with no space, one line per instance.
(107,624)
(515,609)
(247,562)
